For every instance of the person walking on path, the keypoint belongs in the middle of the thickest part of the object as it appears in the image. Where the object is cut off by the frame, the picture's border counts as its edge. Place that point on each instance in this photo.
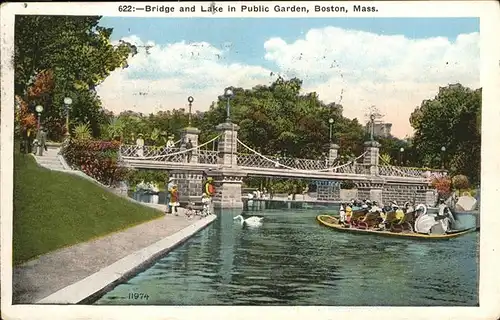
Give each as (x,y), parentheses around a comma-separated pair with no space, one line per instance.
(174,198)
(41,138)
(170,185)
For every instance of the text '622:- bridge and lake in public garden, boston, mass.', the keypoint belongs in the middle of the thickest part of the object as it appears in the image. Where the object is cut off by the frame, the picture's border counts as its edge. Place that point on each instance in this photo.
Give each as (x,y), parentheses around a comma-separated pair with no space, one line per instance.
(241,186)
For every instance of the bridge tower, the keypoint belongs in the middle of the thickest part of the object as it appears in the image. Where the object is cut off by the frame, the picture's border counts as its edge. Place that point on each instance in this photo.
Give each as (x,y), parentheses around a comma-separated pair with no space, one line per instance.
(333,153)
(374,189)
(228,179)
(189,182)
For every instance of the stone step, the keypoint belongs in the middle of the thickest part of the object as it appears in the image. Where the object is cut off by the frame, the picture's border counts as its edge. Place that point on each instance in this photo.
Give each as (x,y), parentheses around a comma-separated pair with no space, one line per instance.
(49,160)
(53,166)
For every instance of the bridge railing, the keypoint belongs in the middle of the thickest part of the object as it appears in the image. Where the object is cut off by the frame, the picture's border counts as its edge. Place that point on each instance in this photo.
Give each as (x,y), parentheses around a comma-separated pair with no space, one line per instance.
(208,156)
(146,151)
(395,171)
(255,160)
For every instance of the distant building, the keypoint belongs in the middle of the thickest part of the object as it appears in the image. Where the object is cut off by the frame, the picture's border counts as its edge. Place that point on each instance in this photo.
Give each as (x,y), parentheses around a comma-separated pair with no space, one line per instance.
(380,129)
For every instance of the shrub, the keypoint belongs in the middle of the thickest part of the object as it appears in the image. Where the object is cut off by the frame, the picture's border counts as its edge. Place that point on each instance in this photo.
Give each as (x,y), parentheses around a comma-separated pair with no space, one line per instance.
(98,159)
(82,132)
(443,186)
(460,182)
(347,184)
(386,159)
(135,177)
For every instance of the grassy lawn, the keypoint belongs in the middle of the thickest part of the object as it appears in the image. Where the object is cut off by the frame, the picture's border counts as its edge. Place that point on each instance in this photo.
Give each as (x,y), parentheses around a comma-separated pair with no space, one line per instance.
(54,210)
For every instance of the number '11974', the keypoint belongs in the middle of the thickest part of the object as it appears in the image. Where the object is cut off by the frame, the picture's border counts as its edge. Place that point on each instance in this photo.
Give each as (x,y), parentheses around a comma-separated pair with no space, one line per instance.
(138,296)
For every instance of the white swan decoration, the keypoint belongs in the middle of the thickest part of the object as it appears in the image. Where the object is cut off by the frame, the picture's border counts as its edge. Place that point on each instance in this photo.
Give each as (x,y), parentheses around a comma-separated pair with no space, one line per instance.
(422,208)
(251,222)
(424,222)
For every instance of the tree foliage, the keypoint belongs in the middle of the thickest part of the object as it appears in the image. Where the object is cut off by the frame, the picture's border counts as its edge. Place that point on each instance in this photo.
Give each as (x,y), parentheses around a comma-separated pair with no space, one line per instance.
(450,120)
(443,186)
(289,122)
(460,182)
(64,56)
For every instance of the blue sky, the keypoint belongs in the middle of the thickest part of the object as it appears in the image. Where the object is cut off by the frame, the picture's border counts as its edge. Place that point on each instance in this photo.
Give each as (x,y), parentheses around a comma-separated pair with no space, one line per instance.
(247,35)
(372,53)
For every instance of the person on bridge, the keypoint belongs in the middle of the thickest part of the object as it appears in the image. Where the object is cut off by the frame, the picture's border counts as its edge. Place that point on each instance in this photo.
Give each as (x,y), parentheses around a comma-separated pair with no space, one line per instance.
(140,145)
(170,143)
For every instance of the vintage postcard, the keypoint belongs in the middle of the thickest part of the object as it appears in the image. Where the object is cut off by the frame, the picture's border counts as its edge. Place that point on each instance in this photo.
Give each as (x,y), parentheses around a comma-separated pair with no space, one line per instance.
(178,160)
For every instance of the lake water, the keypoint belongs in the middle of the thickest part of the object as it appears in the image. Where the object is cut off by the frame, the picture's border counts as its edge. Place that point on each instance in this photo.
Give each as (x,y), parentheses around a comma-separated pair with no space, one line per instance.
(292,260)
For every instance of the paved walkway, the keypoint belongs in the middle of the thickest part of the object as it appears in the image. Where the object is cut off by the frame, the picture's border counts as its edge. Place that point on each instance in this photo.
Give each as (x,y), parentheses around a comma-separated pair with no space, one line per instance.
(50,159)
(54,271)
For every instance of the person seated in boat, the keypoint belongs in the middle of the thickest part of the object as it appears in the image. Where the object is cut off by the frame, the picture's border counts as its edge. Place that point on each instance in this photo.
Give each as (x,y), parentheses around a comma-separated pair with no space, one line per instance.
(408,207)
(444,212)
(372,217)
(366,205)
(355,203)
(374,207)
(394,205)
(399,213)
(342,213)
(348,215)
(357,216)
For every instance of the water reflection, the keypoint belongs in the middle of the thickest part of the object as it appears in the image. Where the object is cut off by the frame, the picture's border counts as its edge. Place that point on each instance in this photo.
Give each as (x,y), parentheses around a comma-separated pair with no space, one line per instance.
(291,260)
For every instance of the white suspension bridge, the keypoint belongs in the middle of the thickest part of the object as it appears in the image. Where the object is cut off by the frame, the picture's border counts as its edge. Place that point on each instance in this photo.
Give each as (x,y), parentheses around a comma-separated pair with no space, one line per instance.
(252,163)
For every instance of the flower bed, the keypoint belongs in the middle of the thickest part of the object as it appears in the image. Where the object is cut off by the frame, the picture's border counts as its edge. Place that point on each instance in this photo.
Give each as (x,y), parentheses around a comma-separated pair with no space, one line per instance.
(98,159)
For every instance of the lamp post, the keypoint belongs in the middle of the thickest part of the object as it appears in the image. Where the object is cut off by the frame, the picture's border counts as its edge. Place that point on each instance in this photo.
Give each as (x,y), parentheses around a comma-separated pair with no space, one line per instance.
(443,152)
(331,125)
(228,94)
(401,155)
(67,103)
(39,110)
(190,101)
(372,121)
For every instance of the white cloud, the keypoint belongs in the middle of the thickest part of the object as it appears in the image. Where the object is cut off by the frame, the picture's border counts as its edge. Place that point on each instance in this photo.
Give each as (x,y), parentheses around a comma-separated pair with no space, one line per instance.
(355,68)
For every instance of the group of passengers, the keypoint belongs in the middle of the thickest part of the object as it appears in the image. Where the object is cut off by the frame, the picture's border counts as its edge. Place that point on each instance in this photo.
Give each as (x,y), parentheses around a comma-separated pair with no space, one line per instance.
(368,214)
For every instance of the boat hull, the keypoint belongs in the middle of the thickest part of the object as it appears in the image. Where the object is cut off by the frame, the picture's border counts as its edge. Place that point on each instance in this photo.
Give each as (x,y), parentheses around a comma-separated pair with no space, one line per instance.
(333,223)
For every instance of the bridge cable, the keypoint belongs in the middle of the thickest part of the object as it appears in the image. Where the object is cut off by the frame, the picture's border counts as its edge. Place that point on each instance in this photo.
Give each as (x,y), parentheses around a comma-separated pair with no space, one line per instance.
(175,153)
(396,169)
(296,169)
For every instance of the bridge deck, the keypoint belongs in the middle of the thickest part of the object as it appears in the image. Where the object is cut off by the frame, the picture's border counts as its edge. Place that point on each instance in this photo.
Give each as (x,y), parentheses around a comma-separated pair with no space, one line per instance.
(271,172)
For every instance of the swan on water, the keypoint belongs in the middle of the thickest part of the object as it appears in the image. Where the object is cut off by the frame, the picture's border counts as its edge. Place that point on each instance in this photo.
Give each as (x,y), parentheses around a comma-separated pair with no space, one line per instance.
(252,221)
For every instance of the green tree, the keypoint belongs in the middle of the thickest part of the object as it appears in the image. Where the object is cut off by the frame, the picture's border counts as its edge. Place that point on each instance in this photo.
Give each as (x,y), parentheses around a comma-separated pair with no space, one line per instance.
(451,120)
(81,56)
(290,123)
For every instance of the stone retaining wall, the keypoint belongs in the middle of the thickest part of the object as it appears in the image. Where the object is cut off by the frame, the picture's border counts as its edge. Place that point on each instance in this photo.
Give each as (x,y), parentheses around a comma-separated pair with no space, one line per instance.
(390,192)
(402,193)
(328,192)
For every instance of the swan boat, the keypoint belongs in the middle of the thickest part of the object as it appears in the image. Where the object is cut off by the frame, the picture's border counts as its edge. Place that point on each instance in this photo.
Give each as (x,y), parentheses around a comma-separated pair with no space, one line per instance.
(334,223)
